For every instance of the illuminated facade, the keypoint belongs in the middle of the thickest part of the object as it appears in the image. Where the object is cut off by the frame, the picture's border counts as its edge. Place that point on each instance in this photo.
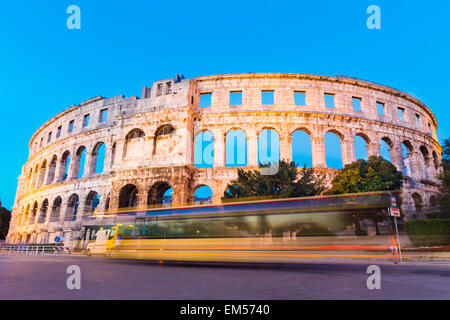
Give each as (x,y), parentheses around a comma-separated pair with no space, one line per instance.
(110,153)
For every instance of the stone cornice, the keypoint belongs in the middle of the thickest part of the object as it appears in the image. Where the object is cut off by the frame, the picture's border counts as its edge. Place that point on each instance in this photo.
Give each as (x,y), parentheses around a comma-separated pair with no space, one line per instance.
(351,81)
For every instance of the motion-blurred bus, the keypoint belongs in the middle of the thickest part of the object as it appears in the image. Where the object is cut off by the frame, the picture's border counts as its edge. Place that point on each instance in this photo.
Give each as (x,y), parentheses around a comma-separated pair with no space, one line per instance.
(276,230)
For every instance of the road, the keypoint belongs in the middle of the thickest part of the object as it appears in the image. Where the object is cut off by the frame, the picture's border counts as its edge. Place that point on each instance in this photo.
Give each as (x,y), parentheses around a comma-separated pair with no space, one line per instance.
(44,277)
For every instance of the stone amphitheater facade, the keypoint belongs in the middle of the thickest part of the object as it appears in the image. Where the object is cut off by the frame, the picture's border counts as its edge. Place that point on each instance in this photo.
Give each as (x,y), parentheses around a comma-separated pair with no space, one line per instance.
(149,145)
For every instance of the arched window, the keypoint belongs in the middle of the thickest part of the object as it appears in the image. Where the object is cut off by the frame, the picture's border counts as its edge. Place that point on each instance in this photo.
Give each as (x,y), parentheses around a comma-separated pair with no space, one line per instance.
(203,195)
(301,149)
(418,205)
(51,170)
(56,209)
(35,176)
(98,158)
(235,149)
(27,214)
(406,152)
(425,161)
(204,150)
(163,142)
(160,193)
(43,211)
(65,164)
(78,170)
(333,153)
(34,212)
(134,144)
(30,180)
(436,161)
(360,147)
(433,202)
(268,147)
(21,216)
(42,170)
(72,208)
(128,196)
(385,149)
(91,204)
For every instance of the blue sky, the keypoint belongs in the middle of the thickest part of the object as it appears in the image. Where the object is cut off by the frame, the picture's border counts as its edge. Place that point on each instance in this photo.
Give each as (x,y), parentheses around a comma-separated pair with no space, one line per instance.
(124,45)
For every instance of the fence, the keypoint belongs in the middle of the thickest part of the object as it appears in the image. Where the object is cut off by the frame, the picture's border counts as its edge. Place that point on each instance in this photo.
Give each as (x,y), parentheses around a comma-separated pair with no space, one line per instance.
(33,249)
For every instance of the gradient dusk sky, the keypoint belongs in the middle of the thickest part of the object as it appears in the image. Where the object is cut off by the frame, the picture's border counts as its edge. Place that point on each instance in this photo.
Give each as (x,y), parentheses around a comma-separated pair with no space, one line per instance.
(124,45)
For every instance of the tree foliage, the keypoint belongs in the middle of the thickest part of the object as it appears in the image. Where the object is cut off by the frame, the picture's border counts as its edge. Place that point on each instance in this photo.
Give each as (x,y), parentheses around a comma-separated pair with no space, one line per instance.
(5,218)
(444,177)
(286,183)
(376,174)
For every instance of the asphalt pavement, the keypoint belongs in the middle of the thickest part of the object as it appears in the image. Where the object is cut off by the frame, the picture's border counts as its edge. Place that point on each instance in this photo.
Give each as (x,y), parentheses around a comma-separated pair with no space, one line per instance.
(46,277)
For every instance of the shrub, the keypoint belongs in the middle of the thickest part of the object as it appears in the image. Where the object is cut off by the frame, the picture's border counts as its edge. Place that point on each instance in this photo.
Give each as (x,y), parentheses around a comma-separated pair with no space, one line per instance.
(432,232)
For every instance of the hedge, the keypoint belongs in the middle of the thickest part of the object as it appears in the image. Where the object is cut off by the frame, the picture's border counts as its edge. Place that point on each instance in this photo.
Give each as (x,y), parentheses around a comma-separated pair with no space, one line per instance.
(429,232)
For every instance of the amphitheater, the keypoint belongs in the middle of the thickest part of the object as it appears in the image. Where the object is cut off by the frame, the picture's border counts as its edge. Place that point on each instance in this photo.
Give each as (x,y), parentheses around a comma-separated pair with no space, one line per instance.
(109,153)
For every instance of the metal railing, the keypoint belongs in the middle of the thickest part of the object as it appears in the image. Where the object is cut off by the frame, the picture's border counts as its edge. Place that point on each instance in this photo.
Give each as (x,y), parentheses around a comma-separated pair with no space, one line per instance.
(23,250)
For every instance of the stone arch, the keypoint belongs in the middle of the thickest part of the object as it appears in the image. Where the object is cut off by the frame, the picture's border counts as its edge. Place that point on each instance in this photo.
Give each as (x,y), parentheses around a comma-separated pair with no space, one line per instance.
(91,203)
(52,169)
(425,162)
(43,211)
(42,171)
(97,158)
(386,149)
(363,136)
(26,214)
(129,196)
(56,209)
(418,204)
(407,160)
(30,179)
(433,201)
(436,163)
(268,127)
(79,162)
(21,216)
(72,208)
(337,133)
(301,147)
(361,142)
(164,139)
(204,149)
(134,144)
(268,146)
(333,149)
(35,176)
(235,148)
(203,194)
(234,128)
(388,141)
(34,212)
(64,166)
(134,134)
(304,129)
(159,194)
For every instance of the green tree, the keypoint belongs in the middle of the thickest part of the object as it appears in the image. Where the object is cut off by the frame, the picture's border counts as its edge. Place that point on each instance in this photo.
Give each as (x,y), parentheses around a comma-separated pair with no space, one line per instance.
(376,174)
(444,177)
(5,218)
(287,182)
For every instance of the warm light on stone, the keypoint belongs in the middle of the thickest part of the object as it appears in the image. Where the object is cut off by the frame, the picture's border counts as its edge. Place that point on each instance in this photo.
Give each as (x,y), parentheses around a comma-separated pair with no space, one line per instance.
(149,144)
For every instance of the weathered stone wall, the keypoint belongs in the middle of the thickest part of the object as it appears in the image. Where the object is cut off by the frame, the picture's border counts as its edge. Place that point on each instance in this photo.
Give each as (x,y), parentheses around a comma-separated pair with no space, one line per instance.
(149,143)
